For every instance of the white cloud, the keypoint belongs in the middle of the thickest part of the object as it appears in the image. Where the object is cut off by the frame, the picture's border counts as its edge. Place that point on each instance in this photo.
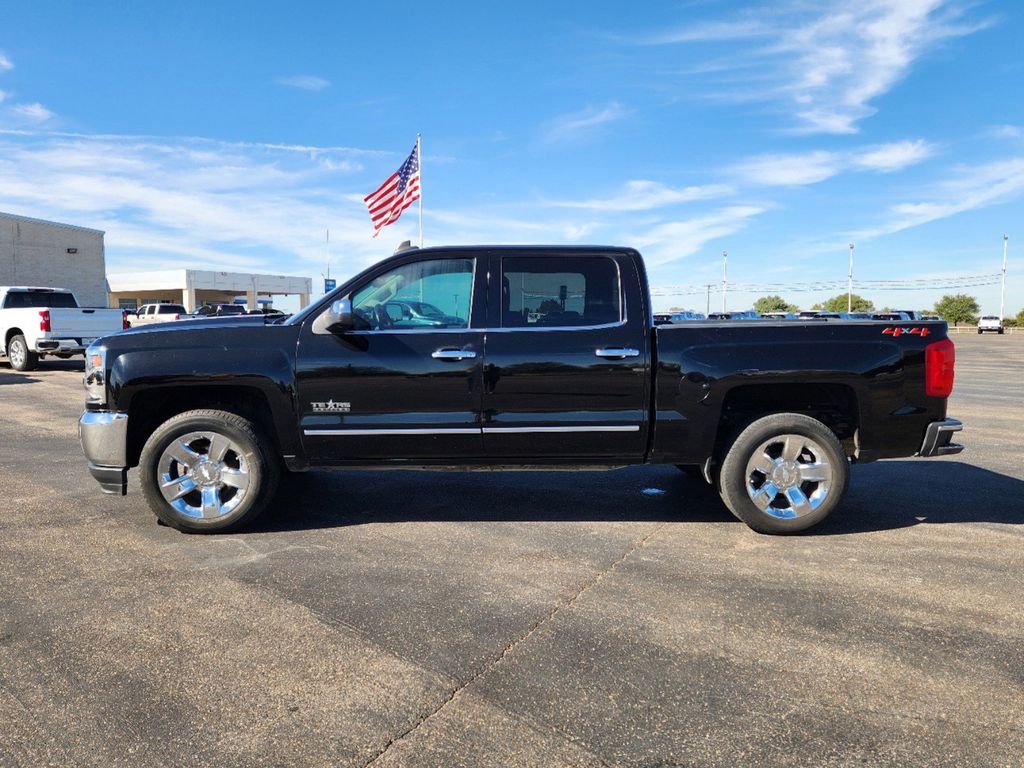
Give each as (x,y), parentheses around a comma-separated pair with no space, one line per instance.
(833,62)
(169,201)
(34,112)
(305,82)
(644,196)
(789,170)
(6,65)
(3,95)
(971,188)
(673,240)
(895,156)
(576,123)
(1008,132)
(813,167)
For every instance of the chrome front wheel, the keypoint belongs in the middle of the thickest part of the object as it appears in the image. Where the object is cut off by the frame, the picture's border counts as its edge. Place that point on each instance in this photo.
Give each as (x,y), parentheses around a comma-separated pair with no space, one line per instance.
(208,471)
(204,474)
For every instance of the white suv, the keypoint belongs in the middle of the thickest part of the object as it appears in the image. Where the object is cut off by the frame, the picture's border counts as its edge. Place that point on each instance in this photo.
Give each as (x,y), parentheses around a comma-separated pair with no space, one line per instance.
(990,323)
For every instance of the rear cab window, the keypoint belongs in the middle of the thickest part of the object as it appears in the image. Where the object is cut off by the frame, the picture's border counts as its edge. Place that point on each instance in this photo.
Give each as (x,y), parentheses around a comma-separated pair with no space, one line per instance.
(44,299)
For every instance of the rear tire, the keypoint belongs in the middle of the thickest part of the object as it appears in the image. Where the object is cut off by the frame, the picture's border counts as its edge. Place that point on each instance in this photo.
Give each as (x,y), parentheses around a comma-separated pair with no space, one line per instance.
(208,471)
(22,358)
(784,473)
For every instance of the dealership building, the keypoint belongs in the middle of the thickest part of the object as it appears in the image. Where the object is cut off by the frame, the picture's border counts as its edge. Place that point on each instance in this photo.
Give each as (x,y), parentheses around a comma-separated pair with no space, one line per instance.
(195,287)
(48,254)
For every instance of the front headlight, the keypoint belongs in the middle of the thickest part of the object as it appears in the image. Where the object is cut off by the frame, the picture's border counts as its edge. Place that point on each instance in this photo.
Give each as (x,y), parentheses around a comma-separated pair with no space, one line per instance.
(95,375)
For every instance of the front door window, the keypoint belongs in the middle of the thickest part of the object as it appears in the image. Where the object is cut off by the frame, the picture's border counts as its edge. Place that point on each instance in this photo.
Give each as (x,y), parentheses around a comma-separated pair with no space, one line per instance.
(423,295)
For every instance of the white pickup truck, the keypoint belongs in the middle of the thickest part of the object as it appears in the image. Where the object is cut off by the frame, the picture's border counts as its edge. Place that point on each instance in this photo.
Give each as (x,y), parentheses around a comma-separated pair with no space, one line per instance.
(35,322)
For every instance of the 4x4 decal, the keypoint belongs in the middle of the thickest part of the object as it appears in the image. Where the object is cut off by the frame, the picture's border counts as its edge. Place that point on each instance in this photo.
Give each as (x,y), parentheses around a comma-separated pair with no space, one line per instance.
(898,331)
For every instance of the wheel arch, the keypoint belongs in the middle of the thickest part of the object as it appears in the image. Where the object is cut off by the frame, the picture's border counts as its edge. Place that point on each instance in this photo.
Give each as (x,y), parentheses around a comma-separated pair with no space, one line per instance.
(11,333)
(153,406)
(835,405)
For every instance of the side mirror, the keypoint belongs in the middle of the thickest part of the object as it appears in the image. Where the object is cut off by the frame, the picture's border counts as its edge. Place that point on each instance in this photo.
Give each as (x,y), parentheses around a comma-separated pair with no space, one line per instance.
(336,319)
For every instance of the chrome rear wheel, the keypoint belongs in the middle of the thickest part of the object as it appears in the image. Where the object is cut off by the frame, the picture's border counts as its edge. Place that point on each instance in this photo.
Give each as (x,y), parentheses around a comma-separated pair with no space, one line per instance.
(784,473)
(789,476)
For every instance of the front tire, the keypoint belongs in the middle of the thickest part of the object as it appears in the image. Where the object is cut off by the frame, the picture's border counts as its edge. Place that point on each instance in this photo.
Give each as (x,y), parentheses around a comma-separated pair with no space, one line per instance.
(22,358)
(785,473)
(208,471)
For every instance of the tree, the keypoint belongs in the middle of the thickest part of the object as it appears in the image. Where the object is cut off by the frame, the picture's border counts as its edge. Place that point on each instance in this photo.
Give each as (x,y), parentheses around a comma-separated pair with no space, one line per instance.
(838,304)
(958,309)
(1015,322)
(767,304)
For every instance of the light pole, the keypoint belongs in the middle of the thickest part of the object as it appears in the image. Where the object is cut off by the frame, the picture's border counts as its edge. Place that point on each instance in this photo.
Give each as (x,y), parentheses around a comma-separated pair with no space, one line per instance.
(849,283)
(707,308)
(725,279)
(1002,288)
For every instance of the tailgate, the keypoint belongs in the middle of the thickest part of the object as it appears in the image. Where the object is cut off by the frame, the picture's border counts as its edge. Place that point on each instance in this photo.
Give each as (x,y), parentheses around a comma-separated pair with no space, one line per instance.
(84,323)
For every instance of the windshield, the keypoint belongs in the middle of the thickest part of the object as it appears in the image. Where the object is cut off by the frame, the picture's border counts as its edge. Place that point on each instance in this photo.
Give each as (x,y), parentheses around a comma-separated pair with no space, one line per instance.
(44,299)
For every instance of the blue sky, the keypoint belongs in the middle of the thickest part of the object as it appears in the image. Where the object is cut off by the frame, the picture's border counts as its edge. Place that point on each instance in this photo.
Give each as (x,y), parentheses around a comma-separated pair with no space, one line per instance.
(233,135)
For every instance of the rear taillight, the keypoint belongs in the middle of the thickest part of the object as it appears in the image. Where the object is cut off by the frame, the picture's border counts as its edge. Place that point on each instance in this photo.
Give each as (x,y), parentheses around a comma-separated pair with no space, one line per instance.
(939,360)
(125,325)
(177,317)
(44,320)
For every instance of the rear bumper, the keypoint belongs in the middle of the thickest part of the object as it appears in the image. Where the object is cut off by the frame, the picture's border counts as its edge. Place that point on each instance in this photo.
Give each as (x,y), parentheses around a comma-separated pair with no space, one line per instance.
(104,436)
(938,438)
(62,346)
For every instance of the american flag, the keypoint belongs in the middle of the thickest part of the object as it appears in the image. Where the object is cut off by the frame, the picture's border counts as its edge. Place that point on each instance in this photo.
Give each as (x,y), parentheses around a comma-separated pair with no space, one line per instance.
(401,190)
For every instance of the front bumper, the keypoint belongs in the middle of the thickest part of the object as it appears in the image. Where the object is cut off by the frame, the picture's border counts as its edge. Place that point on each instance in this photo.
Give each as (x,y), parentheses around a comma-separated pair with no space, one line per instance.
(104,436)
(938,438)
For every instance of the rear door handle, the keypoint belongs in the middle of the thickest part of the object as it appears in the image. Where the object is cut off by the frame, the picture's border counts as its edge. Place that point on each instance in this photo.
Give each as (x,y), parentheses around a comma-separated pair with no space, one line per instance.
(450,353)
(617,352)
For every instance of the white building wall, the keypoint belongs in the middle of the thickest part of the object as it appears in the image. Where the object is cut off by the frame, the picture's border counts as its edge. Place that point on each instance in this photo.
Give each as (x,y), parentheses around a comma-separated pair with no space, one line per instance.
(35,253)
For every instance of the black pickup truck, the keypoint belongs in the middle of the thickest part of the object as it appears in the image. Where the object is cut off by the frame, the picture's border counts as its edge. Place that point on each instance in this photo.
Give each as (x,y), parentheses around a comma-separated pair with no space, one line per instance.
(514,357)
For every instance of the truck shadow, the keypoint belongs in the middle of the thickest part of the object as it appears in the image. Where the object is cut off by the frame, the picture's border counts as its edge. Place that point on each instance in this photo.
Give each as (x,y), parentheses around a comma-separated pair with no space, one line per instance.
(12,377)
(883,496)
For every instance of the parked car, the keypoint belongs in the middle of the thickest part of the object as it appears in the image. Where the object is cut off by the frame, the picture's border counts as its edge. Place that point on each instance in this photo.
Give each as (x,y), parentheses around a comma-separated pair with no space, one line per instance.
(36,322)
(148,314)
(742,315)
(681,317)
(990,324)
(779,315)
(890,316)
(219,310)
(210,412)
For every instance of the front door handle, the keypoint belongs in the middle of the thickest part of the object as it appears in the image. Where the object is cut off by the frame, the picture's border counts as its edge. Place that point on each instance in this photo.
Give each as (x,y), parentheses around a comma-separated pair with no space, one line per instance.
(617,352)
(450,353)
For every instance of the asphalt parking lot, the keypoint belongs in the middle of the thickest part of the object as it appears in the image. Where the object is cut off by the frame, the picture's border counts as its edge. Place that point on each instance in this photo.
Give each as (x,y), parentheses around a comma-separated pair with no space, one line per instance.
(548,619)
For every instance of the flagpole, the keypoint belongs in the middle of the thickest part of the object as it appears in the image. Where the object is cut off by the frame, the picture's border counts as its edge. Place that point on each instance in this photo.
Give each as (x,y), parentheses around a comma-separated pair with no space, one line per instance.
(419,157)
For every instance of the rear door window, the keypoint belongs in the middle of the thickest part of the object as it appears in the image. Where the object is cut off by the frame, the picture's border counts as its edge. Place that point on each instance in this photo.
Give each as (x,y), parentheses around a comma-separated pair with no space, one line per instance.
(562,291)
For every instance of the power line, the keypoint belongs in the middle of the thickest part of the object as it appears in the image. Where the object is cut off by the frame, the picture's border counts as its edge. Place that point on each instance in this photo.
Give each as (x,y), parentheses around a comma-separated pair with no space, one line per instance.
(938,283)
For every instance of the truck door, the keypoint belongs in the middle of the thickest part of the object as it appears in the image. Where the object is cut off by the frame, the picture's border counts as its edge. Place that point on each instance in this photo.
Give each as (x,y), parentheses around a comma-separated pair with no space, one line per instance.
(406,382)
(567,359)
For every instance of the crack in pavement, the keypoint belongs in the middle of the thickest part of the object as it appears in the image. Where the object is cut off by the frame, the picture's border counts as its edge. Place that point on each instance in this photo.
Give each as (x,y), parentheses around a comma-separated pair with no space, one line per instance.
(587,585)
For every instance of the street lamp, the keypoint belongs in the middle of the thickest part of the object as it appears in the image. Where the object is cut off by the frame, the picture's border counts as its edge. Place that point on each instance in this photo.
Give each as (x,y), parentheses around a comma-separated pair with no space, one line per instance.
(849,283)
